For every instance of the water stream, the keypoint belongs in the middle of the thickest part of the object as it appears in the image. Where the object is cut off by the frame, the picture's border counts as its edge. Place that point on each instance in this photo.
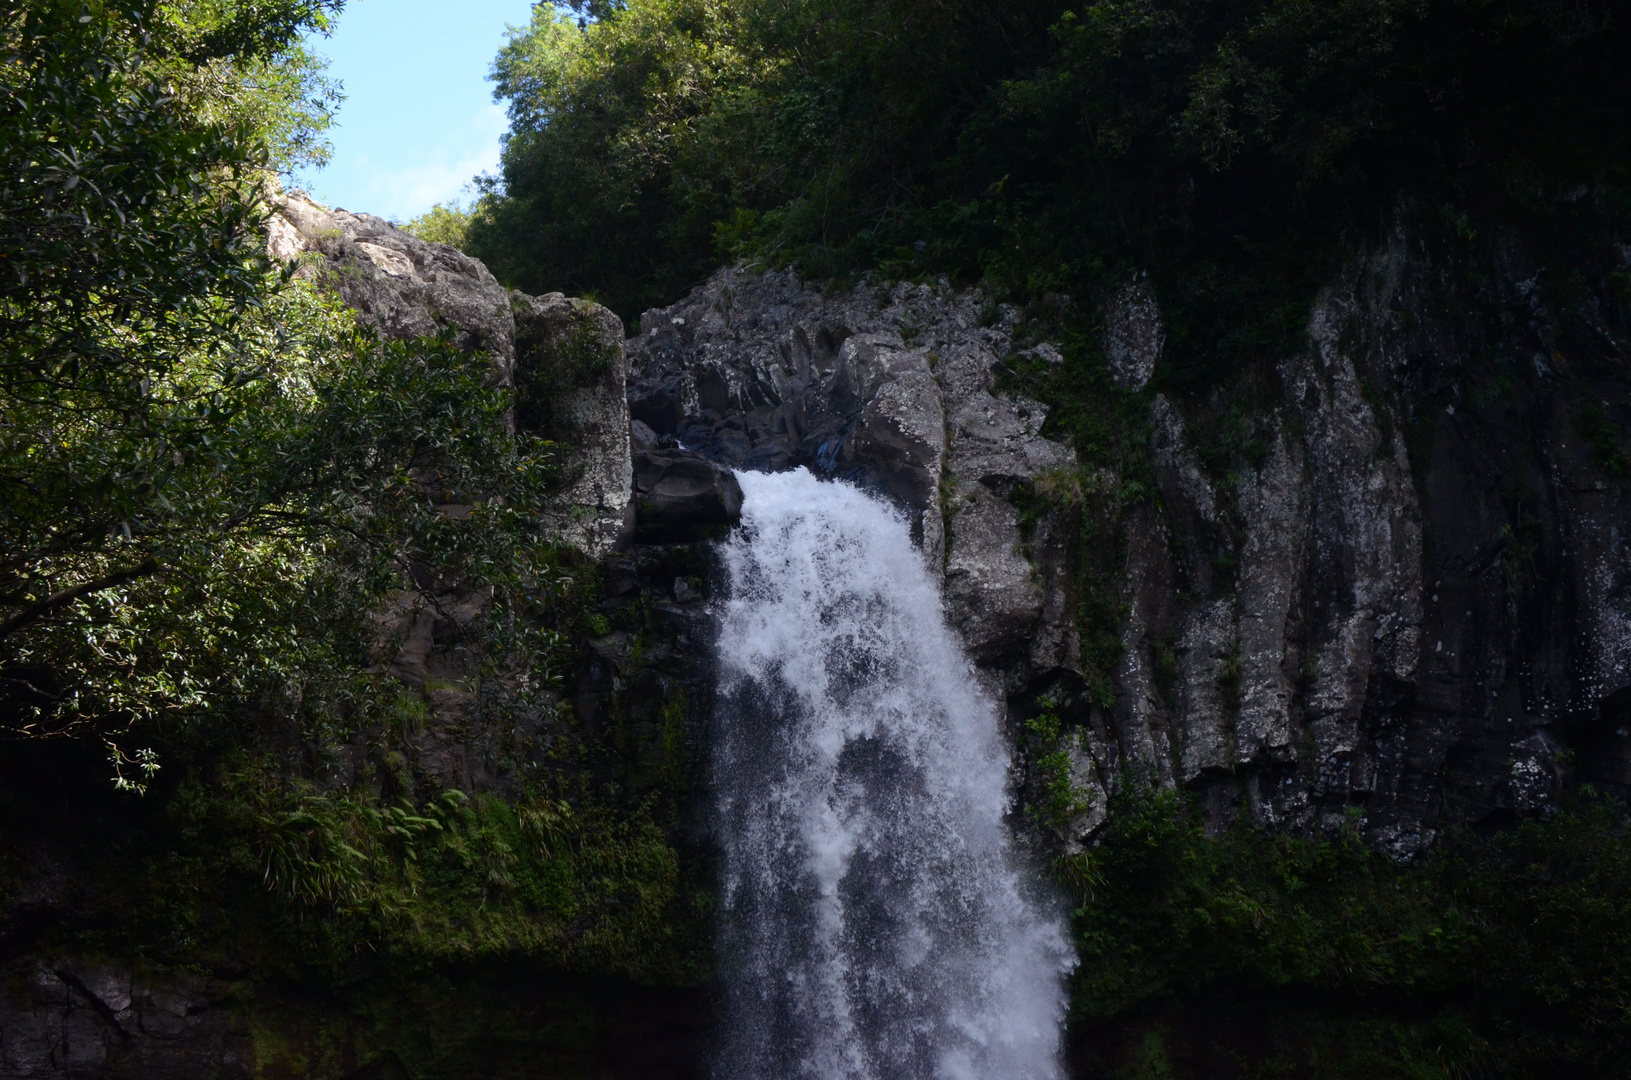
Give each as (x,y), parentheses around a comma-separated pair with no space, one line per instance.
(877,925)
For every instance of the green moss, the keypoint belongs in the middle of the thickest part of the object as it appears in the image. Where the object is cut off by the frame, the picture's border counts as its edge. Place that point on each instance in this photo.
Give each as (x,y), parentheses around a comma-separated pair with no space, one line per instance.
(1604,436)
(1047,737)
(1256,955)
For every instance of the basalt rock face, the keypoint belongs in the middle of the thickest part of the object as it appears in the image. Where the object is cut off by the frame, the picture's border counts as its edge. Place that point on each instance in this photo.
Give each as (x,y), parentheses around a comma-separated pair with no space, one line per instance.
(1413,605)
(683,498)
(892,389)
(567,350)
(64,1018)
(1408,609)
(65,1015)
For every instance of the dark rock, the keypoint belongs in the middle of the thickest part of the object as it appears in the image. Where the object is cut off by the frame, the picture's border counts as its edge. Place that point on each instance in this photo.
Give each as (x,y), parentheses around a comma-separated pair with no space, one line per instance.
(66,1017)
(682,498)
(1407,608)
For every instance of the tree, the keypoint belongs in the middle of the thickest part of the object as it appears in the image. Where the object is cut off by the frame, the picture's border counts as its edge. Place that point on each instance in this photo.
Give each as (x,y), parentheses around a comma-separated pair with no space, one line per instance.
(1228,149)
(212,477)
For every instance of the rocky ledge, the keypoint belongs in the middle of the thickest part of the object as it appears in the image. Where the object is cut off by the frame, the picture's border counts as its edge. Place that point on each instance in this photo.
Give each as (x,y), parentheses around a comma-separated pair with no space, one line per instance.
(1407,612)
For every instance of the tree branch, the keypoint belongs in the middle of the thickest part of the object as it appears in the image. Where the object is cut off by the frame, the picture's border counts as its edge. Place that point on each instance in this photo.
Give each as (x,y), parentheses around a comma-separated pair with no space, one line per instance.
(35,612)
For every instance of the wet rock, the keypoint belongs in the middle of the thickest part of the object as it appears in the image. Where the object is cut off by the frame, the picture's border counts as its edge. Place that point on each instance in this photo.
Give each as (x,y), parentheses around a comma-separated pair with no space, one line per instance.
(683,498)
(890,389)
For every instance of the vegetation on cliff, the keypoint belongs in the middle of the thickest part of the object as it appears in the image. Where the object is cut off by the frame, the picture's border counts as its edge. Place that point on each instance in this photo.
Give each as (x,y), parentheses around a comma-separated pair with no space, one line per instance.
(1502,954)
(1240,155)
(1042,147)
(218,490)
(214,481)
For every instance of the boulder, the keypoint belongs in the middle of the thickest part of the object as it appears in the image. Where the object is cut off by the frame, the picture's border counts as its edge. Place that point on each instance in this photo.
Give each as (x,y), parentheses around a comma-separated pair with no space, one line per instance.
(400,285)
(682,498)
(571,372)
(566,350)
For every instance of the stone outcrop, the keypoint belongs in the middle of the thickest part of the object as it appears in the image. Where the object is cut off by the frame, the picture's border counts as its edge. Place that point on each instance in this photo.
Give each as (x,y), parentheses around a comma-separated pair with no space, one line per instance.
(400,285)
(1407,608)
(680,497)
(571,351)
(1134,335)
(405,287)
(1406,605)
(67,1016)
(892,389)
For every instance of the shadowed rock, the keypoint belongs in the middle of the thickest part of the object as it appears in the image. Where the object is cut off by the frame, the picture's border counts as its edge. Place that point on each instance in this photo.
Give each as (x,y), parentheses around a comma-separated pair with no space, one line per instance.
(682,498)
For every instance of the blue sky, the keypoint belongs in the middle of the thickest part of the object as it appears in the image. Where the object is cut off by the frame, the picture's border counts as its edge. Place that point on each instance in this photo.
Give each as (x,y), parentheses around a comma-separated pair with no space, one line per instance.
(419,118)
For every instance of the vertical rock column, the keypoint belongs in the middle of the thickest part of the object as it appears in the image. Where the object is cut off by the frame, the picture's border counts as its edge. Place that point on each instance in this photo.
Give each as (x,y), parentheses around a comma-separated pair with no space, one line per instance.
(571,379)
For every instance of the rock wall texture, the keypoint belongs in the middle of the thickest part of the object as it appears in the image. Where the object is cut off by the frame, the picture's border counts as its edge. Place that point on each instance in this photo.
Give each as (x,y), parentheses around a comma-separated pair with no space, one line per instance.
(891,389)
(63,1015)
(1409,610)
(67,1018)
(405,287)
(1424,621)
(1406,605)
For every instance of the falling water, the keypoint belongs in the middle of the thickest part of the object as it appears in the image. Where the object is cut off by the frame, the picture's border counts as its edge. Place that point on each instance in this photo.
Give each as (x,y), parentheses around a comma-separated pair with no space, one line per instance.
(877,925)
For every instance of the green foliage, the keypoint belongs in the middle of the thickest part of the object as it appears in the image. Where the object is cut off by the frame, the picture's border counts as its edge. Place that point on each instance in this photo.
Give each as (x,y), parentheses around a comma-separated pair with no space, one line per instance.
(244,64)
(1604,438)
(1060,800)
(600,118)
(444,223)
(224,547)
(225,502)
(1229,149)
(1500,955)
(213,477)
(455,879)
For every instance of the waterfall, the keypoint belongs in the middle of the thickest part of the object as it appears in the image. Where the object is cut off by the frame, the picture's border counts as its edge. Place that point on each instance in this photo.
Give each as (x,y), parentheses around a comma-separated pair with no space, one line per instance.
(876,924)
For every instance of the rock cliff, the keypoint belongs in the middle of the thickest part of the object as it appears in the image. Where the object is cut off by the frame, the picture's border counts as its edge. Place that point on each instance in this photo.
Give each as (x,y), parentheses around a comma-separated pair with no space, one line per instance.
(1403,605)
(1407,610)
(67,1015)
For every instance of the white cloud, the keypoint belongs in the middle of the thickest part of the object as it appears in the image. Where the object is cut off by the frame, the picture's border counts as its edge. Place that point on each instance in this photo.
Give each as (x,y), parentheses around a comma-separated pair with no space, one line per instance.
(420,175)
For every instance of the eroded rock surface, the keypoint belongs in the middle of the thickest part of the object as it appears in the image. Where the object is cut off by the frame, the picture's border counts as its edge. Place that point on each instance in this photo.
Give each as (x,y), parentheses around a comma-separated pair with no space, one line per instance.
(891,389)
(65,1017)
(565,358)
(405,287)
(682,497)
(1405,608)
(402,286)
(571,351)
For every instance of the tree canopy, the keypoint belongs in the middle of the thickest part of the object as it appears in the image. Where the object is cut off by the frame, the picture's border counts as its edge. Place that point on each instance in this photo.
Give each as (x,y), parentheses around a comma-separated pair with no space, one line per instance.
(213,475)
(1227,149)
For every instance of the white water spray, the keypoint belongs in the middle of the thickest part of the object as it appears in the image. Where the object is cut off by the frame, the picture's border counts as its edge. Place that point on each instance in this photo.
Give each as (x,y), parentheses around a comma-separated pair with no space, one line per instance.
(877,925)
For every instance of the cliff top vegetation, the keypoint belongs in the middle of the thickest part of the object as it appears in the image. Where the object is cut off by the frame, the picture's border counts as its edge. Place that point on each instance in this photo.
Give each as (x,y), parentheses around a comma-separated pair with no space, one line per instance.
(1231,151)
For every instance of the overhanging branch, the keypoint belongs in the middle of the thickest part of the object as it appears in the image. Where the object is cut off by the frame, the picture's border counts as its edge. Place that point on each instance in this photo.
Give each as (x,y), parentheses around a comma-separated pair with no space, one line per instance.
(38,611)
